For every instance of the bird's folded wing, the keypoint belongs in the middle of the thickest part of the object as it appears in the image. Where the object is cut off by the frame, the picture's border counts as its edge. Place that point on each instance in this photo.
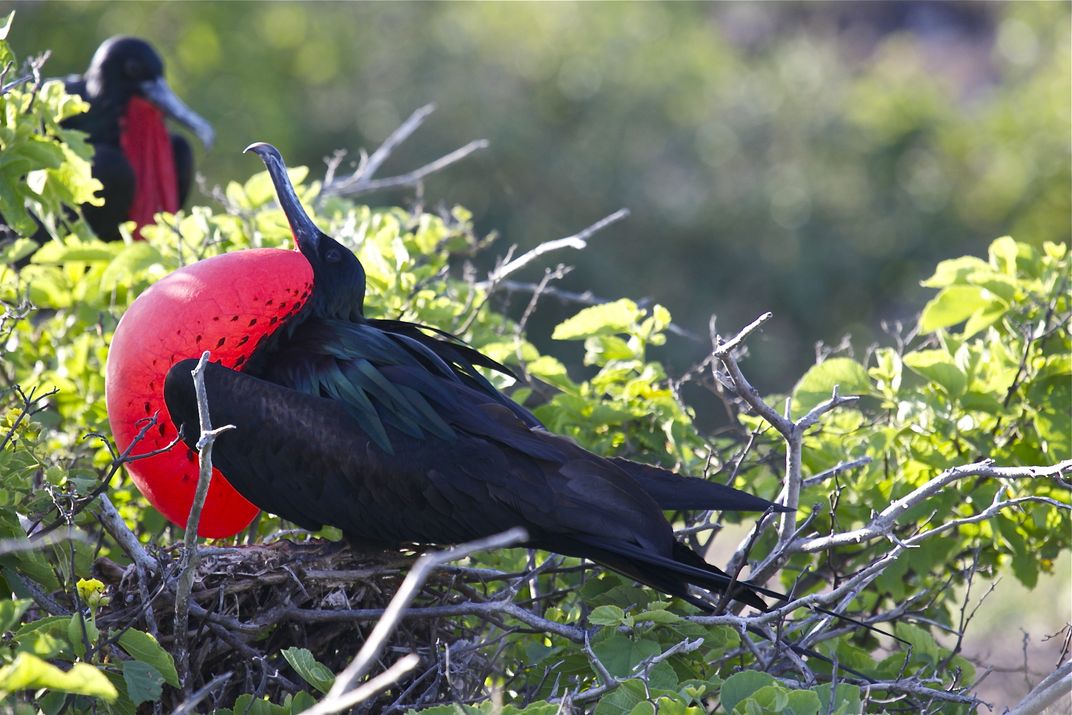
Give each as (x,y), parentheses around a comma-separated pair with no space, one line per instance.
(308,460)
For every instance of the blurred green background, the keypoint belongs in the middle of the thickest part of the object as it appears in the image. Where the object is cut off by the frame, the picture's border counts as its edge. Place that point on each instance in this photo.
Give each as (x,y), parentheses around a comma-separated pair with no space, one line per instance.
(811,159)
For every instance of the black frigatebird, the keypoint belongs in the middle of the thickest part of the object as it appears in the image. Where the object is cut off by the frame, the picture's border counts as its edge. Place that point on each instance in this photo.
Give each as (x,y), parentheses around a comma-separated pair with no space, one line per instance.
(382,428)
(143,169)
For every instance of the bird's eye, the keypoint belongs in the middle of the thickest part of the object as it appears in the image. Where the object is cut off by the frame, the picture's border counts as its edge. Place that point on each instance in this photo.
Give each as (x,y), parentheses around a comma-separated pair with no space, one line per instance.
(333,255)
(133,69)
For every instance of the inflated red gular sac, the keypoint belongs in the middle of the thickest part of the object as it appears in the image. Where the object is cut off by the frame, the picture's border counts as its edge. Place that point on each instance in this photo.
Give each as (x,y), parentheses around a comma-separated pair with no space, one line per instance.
(227,305)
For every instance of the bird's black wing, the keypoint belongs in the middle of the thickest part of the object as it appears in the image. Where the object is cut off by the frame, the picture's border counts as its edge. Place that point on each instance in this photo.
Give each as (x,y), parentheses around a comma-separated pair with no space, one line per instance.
(460,358)
(308,460)
(350,362)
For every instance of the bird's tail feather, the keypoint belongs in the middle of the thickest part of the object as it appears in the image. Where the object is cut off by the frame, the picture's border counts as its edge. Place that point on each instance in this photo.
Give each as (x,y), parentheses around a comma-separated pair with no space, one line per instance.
(673,491)
(674,575)
(686,567)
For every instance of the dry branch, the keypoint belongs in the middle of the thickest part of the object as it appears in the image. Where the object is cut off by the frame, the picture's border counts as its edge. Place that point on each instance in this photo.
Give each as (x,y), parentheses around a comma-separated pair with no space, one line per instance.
(190,556)
(345,693)
(362,181)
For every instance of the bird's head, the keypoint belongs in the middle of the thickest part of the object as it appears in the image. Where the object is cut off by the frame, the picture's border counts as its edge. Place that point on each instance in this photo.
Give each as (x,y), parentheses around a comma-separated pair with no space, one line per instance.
(338,277)
(126,67)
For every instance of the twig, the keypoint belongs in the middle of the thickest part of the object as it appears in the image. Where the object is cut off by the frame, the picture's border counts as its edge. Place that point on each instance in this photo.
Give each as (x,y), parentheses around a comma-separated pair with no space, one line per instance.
(361,181)
(344,692)
(640,670)
(835,471)
(792,432)
(195,698)
(42,599)
(509,265)
(190,555)
(882,523)
(113,523)
(578,241)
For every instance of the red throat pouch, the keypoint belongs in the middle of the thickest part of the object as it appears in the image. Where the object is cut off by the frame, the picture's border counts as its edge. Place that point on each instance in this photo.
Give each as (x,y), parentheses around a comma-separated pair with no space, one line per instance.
(147,146)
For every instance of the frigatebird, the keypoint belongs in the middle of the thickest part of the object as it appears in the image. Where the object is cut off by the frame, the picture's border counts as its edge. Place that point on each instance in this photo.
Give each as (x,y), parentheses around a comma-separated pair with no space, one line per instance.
(382,428)
(143,168)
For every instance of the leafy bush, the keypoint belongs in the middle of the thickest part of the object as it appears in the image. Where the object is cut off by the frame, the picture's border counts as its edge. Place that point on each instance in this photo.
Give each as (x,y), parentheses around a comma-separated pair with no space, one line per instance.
(959,432)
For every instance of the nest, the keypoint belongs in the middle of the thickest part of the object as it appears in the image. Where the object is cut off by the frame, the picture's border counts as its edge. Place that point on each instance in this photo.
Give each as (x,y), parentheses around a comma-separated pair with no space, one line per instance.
(251,603)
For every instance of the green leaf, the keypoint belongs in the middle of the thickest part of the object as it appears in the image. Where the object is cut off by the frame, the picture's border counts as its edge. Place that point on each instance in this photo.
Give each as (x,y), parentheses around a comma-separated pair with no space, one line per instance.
(921,641)
(13,207)
(606,319)
(803,702)
(768,699)
(846,701)
(550,370)
(80,630)
(938,367)
(951,306)
(741,685)
(130,262)
(301,702)
(248,705)
(28,672)
(122,705)
(622,699)
(45,637)
(955,270)
(656,615)
(982,319)
(620,653)
(309,668)
(11,611)
(143,647)
(80,251)
(818,382)
(144,682)
(607,616)
(1003,254)
(17,250)
(602,349)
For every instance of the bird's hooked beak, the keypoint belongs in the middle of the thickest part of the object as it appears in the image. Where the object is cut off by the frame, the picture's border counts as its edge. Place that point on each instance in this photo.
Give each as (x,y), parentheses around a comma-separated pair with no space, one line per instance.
(306,234)
(159,93)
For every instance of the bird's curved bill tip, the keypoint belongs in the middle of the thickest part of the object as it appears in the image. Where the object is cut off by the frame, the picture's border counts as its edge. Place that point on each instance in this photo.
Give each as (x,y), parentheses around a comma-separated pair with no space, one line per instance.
(259,147)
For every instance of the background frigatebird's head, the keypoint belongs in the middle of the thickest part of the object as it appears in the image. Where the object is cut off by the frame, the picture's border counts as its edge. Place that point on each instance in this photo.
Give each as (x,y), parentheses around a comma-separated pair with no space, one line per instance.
(123,68)
(339,278)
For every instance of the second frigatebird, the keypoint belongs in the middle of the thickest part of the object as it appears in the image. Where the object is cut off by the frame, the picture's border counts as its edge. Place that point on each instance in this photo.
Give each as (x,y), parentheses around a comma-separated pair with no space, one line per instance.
(143,169)
(381,428)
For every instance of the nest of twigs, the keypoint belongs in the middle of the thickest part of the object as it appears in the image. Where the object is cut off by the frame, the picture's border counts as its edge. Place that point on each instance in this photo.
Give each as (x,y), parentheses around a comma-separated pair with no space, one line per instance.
(250,603)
